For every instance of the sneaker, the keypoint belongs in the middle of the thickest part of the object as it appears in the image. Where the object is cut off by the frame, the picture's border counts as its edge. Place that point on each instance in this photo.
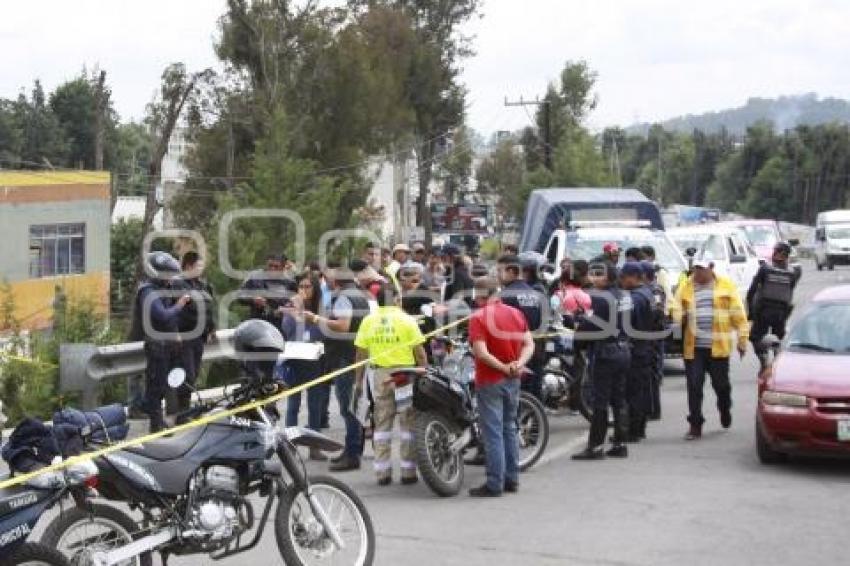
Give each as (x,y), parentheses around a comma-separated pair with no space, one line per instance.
(412,480)
(347,463)
(725,419)
(618,451)
(483,491)
(383,482)
(694,433)
(511,486)
(590,454)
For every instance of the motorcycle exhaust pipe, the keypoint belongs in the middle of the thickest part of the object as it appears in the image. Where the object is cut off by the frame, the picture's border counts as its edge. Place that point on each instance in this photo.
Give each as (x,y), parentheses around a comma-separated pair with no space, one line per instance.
(146,544)
(462,441)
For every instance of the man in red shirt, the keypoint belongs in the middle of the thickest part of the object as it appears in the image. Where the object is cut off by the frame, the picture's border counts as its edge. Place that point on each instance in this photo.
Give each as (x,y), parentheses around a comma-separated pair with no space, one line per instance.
(502,345)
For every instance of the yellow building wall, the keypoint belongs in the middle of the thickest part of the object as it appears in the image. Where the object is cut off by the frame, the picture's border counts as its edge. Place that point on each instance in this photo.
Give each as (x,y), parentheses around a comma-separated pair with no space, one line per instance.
(34,297)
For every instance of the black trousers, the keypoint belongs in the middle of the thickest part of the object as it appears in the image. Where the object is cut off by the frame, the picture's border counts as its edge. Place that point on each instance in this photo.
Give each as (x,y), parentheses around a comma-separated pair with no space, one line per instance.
(718,371)
(768,319)
(161,358)
(639,394)
(609,367)
(191,356)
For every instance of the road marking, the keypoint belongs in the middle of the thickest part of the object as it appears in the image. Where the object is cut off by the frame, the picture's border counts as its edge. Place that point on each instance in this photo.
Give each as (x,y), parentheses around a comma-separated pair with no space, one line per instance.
(563,450)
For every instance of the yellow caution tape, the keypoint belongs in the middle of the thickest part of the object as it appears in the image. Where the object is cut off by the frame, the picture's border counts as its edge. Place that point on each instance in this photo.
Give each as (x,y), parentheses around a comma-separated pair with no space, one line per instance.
(203,421)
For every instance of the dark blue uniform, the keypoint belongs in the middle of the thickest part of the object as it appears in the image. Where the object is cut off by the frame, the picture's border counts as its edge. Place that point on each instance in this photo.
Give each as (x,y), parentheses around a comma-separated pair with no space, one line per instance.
(192,349)
(529,301)
(604,336)
(162,353)
(643,362)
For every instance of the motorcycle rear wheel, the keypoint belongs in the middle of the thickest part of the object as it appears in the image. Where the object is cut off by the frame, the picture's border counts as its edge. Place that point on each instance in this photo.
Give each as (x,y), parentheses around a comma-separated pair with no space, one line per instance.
(300,536)
(532,430)
(120,530)
(440,468)
(35,554)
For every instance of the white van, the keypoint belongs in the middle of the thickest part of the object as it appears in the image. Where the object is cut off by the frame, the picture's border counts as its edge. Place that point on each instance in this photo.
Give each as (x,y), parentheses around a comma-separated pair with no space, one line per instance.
(832,239)
(726,246)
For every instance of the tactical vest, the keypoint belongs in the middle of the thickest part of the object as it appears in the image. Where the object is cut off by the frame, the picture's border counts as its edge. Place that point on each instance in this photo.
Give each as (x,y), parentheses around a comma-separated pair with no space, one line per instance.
(777,285)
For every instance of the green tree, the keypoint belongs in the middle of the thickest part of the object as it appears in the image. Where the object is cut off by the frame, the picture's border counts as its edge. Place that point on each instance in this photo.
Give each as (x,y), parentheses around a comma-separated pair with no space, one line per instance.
(502,173)
(44,142)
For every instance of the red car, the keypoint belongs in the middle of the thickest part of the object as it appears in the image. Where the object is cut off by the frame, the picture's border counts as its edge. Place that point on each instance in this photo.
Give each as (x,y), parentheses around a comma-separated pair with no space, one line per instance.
(804,397)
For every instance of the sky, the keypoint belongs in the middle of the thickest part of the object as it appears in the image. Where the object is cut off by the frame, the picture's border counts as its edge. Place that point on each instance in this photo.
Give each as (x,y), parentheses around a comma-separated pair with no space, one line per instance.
(655,59)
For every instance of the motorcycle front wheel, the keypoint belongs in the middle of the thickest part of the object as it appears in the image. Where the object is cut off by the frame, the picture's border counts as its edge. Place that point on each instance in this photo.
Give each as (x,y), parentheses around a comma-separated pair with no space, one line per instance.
(441,468)
(33,554)
(77,533)
(532,430)
(301,537)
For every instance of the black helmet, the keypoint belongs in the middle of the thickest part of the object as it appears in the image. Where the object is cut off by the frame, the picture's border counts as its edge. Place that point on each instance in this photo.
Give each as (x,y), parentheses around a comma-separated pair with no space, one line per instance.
(257,336)
(161,265)
(782,247)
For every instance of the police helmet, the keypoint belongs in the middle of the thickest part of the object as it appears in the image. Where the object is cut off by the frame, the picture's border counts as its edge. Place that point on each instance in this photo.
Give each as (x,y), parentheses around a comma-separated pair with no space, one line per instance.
(257,336)
(782,247)
(161,265)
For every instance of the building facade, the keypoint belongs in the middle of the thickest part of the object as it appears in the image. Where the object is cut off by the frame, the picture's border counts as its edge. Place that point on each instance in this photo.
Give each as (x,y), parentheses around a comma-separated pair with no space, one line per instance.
(55,229)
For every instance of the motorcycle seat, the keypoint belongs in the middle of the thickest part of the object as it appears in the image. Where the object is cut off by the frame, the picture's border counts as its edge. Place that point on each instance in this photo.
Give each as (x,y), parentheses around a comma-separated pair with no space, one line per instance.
(15,498)
(169,448)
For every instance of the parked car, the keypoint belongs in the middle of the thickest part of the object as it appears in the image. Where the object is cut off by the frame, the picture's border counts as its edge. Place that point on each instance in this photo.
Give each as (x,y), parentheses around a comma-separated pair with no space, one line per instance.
(763,235)
(832,239)
(804,395)
(726,246)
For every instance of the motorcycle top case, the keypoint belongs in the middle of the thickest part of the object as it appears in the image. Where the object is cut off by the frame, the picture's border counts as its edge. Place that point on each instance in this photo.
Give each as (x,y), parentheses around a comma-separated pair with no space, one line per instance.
(436,392)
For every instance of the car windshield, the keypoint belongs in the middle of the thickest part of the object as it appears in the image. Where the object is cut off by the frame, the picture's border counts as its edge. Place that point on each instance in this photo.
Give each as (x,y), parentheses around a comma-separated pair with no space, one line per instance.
(584,245)
(760,235)
(685,240)
(825,328)
(839,233)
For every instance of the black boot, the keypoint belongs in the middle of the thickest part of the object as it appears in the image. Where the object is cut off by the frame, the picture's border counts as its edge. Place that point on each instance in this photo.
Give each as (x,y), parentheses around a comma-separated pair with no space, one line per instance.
(618,451)
(595,453)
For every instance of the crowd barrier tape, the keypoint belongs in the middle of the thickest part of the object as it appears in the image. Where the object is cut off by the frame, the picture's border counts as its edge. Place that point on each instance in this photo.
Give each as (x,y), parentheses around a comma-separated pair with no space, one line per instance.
(208,419)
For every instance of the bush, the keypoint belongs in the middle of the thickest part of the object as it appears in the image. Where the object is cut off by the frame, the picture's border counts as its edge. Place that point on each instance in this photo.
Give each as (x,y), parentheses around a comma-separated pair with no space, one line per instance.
(490,249)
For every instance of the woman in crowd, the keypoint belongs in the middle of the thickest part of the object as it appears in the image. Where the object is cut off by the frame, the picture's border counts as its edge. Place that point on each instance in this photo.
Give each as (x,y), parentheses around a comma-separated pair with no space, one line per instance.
(569,297)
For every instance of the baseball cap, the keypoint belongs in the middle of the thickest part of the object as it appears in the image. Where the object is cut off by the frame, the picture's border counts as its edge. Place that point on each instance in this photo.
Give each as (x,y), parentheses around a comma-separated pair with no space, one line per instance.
(610,247)
(703,263)
(401,248)
(418,247)
(631,268)
(648,268)
(451,249)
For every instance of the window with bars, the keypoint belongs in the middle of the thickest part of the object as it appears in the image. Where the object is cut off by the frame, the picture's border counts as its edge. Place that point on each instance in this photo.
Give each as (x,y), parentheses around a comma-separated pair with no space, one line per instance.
(57,249)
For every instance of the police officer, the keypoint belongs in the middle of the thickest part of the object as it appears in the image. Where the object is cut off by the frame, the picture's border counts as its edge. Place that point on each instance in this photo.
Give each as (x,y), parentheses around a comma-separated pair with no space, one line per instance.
(660,326)
(642,369)
(156,314)
(520,295)
(268,292)
(196,325)
(769,299)
(603,335)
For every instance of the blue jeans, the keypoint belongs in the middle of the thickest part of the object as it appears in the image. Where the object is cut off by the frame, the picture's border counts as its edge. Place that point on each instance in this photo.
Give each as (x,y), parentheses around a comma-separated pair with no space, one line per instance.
(316,402)
(497,408)
(344,390)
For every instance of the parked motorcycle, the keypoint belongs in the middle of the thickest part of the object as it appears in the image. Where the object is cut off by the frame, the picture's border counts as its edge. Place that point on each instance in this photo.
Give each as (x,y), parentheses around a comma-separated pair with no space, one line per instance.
(447,418)
(194,489)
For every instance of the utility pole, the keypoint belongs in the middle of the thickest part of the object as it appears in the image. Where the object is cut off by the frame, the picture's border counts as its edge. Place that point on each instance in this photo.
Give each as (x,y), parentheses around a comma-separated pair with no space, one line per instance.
(547,125)
(660,192)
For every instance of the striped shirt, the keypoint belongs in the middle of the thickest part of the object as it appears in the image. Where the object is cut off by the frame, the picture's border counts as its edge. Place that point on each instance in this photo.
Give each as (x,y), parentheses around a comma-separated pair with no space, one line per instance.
(704,299)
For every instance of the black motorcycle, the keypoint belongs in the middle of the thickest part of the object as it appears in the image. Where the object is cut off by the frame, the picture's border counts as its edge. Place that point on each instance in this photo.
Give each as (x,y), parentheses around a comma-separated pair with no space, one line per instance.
(194,491)
(446,425)
(566,383)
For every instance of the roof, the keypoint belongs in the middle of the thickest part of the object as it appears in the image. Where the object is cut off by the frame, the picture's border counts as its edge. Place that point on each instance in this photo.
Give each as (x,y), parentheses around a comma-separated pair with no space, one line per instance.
(751,222)
(834,293)
(42,178)
(587,194)
(713,228)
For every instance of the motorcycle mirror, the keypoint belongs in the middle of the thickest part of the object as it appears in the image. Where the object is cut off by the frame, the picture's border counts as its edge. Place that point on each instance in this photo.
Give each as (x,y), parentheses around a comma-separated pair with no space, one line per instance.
(691,252)
(176,378)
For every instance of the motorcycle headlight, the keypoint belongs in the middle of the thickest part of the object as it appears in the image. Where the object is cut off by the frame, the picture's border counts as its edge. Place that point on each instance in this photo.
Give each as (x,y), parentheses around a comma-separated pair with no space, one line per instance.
(554,364)
(784,399)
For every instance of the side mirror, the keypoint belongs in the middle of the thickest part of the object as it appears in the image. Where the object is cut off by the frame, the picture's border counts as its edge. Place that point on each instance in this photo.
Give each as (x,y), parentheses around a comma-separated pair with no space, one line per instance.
(770,342)
(794,241)
(176,378)
(820,235)
(738,259)
(691,252)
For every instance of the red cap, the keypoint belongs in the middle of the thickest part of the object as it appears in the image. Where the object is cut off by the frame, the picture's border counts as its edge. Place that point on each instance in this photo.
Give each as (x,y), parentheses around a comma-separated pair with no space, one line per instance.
(610,247)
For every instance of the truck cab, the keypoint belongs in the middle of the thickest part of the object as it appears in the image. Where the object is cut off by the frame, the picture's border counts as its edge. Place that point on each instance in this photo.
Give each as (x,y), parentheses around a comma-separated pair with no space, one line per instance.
(832,239)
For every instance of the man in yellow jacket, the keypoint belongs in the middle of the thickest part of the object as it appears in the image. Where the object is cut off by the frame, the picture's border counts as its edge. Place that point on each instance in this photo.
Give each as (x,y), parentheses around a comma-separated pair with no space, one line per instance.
(711,313)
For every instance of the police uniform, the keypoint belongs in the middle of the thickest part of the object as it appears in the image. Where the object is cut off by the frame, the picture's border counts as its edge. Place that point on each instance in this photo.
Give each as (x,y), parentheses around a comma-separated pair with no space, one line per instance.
(769,302)
(389,335)
(529,301)
(609,355)
(161,344)
(192,349)
(643,362)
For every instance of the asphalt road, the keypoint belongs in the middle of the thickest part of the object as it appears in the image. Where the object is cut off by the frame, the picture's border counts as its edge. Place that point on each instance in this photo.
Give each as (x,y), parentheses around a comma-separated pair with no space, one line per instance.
(671,502)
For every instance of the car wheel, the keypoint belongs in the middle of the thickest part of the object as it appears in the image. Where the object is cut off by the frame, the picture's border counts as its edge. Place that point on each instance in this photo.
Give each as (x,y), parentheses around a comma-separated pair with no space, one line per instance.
(767,455)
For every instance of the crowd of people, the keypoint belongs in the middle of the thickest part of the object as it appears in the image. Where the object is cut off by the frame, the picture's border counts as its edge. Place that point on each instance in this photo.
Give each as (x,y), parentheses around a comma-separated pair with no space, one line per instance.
(381,306)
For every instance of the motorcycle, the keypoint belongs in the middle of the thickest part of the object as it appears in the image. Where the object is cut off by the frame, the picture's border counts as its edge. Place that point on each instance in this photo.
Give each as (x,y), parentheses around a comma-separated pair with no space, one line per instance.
(194,491)
(446,425)
(565,379)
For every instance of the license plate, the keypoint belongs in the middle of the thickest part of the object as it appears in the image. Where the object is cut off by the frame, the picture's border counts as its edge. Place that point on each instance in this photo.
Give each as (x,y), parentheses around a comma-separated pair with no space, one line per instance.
(844,431)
